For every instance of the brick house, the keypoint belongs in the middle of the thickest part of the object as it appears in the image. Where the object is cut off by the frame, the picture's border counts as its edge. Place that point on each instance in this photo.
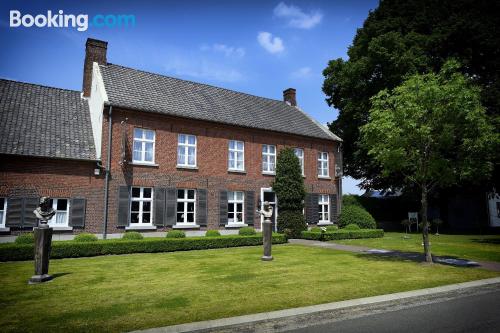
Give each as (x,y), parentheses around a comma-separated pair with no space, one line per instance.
(142,151)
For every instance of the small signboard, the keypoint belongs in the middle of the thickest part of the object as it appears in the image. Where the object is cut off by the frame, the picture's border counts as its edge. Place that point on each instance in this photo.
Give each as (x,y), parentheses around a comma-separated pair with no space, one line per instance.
(413,218)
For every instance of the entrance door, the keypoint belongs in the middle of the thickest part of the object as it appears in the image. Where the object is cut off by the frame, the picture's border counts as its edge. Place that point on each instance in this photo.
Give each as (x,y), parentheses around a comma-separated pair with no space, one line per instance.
(267,194)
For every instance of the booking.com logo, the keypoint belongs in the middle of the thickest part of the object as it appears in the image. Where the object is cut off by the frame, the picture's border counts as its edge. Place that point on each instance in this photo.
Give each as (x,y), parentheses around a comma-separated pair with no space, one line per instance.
(60,20)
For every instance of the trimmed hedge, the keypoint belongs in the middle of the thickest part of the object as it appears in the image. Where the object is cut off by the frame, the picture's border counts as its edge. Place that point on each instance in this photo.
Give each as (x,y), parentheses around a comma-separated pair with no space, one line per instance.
(176,234)
(132,235)
(352,226)
(85,237)
(343,234)
(72,249)
(28,238)
(212,233)
(247,231)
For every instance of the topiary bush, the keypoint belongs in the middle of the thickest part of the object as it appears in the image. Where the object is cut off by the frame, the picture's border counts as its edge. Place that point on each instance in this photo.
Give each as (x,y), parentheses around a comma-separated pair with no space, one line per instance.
(356,215)
(293,220)
(28,238)
(288,183)
(85,237)
(212,233)
(352,226)
(315,229)
(247,231)
(332,228)
(132,235)
(176,234)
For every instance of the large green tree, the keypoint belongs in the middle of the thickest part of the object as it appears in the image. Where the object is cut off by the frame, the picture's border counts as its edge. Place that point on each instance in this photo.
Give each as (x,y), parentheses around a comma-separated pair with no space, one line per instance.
(432,131)
(402,38)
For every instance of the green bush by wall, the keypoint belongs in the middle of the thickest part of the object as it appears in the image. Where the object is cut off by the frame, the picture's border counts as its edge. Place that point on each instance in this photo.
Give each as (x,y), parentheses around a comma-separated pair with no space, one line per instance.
(28,238)
(85,237)
(176,234)
(352,214)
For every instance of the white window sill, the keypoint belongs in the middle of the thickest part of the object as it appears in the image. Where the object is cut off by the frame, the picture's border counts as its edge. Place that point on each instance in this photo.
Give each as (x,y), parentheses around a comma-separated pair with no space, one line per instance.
(145,164)
(325,223)
(236,171)
(4,229)
(236,225)
(140,227)
(268,173)
(186,226)
(190,167)
(324,177)
(62,228)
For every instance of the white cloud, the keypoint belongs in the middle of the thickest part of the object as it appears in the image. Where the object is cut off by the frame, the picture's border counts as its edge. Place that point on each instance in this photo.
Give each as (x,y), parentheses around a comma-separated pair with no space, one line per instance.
(228,51)
(184,65)
(269,43)
(296,17)
(302,72)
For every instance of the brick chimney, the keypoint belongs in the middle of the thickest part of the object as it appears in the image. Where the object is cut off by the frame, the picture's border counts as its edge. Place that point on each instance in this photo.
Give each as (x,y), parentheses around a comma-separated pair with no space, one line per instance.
(95,51)
(290,96)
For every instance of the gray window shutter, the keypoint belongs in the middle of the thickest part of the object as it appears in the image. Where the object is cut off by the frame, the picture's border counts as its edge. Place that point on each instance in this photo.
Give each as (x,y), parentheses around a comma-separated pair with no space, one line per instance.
(249,207)
(312,215)
(77,212)
(14,212)
(333,208)
(222,208)
(159,206)
(29,218)
(171,206)
(123,215)
(201,210)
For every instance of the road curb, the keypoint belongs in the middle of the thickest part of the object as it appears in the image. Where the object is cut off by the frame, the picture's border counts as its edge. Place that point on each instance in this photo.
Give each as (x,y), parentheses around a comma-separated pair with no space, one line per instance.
(292,318)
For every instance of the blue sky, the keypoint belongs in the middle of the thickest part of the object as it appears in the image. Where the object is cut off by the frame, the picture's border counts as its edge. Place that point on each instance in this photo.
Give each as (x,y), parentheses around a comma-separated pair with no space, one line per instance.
(257,47)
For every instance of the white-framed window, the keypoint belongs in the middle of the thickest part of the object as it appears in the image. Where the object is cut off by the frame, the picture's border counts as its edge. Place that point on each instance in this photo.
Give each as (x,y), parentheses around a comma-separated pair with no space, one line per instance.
(186,206)
(235,204)
(299,152)
(269,159)
(236,158)
(323,164)
(186,150)
(144,146)
(61,206)
(324,208)
(141,206)
(3,211)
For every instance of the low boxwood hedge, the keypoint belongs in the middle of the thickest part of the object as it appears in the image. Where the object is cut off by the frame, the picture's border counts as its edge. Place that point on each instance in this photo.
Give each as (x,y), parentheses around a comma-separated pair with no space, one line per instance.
(72,249)
(343,234)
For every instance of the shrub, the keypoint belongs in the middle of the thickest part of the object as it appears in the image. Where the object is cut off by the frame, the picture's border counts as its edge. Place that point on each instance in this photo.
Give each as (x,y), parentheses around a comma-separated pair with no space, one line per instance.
(28,238)
(247,231)
(351,199)
(176,234)
(352,226)
(332,227)
(85,237)
(356,215)
(315,229)
(212,233)
(69,249)
(343,234)
(293,220)
(289,182)
(132,235)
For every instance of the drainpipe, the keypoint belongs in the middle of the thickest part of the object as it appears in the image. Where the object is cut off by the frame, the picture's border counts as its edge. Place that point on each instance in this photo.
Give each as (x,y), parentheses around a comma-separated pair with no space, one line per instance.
(108,172)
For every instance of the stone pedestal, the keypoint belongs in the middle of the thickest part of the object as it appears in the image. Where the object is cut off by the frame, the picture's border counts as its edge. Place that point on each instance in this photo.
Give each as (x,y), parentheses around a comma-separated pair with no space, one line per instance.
(43,241)
(267,231)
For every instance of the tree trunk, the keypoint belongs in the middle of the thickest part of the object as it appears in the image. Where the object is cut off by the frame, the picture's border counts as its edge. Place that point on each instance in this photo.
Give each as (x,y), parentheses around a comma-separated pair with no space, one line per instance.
(425,229)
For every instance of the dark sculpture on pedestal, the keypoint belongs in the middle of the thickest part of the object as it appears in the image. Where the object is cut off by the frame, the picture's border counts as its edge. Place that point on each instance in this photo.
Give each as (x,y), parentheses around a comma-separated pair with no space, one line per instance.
(43,240)
(267,230)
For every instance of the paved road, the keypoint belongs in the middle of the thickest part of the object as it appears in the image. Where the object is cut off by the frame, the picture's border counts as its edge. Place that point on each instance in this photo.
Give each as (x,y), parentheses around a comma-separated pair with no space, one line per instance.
(474,313)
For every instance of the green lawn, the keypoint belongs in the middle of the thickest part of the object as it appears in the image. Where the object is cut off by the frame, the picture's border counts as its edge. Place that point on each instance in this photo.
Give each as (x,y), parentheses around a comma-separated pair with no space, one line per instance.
(127,292)
(473,247)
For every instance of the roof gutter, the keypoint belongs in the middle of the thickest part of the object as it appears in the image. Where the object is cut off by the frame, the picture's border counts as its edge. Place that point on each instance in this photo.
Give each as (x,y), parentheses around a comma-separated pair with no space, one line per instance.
(108,172)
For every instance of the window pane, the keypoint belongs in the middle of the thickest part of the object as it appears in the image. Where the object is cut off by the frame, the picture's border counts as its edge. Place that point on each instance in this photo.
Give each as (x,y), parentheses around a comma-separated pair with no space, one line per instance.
(190,194)
(146,206)
(264,148)
(272,149)
(190,217)
(180,194)
(326,217)
(182,138)
(150,135)
(239,217)
(149,152)
(136,192)
(147,192)
(230,207)
(239,145)
(137,133)
(134,218)
(190,206)
(239,207)
(191,153)
(180,206)
(62,204)
(180,217)
(265,165)
(2,204)
(231,144)
(192,139)
(1,216)
(135,206)
(239,165)
(181,158)
(146,218)
(230,217)
(239,195)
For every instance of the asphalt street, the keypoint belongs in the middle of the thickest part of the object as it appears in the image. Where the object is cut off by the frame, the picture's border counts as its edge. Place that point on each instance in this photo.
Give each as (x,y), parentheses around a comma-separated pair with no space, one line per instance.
(473,313)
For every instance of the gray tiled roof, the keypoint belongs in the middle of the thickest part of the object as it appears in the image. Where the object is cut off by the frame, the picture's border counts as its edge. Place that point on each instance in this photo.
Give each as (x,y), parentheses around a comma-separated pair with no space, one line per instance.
(131,88)
(43,121)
